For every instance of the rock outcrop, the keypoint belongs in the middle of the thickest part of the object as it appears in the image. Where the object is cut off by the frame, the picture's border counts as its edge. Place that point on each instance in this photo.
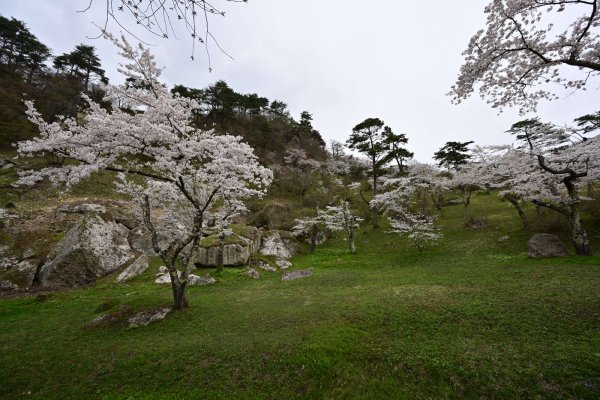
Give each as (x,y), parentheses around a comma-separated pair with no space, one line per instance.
(545,245)
(146,317)
(193,280)
(137,268)
(280,244)
(91,249)
(252,273)
(237,248)
(80,241)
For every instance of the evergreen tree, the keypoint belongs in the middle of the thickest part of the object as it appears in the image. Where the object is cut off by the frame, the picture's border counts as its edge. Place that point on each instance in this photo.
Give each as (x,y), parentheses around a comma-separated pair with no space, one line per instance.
(20,50)
(368,138)
(82,62)
(396,152)
(453,154)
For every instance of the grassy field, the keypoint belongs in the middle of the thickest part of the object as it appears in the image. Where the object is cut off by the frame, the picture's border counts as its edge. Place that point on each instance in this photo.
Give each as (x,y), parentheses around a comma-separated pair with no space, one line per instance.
(469,318)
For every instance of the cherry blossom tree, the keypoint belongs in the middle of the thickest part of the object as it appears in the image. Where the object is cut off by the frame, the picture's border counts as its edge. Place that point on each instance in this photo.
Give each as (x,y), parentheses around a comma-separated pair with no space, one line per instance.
(311,227)
(429,180)
(300,168)
(332,219)
(341,218)
(465,181)
(528,45)
(499,166)
(183,180)
(564,161)
(406,219)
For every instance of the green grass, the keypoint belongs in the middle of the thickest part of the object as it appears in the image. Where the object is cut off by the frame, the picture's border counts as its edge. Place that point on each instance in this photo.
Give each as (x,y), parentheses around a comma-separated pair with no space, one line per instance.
(469,318)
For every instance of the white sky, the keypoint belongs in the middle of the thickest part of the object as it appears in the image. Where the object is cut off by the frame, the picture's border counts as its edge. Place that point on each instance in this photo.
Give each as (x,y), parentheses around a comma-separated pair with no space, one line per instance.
(341,60)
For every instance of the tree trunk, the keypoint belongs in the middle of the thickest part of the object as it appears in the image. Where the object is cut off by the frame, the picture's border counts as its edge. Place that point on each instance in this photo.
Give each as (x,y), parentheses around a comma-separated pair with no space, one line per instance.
(578,233)
(375,219)
(313,238)
(515,203)
(437,203)
(178,288)
(351,240)
(179,300)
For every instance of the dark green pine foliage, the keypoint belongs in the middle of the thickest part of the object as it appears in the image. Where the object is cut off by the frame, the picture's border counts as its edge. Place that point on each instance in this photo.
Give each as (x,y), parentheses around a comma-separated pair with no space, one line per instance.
(397,152)
(265,125)
(82,62)
(588,123)
(453,154)
(306,131)
(20,51)
(369,138)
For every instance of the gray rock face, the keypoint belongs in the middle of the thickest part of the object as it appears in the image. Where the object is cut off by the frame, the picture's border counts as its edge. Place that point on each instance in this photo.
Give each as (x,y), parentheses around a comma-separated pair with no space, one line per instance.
(78,208)
(92,248)
(252,273)
(281,244)
(138,267)
(164,278)
(234,254)
(141,241)
(283,264)
(292,276)
(146,317)
(264,266)
(195,280)
(162,270)
(15,274)
(545,245)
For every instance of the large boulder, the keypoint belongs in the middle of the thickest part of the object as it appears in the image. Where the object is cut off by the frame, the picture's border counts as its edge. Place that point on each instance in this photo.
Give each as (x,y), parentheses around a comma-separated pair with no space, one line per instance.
(119,211)
(91,249)
(545,245)
(141,241)
(136,268)
(280,244)
(237,248)
(15,274)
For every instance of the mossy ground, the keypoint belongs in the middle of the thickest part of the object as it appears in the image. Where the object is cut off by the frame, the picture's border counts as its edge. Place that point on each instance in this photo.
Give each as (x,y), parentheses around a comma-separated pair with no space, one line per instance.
(469,318)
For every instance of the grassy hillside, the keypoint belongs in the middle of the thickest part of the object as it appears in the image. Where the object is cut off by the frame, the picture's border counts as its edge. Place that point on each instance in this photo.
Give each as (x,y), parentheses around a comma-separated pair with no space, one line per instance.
(471,317)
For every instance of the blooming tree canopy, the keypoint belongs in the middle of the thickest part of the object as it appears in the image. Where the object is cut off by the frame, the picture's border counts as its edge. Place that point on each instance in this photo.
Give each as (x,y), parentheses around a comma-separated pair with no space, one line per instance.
(398,204)
(465,180)
(333,218)
(549,166)
(190,179)
(429,180)
(499,167)
(525,47)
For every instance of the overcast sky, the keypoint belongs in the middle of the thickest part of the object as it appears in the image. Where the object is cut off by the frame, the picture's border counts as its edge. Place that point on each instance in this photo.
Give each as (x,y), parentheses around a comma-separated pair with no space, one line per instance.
(341,60)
